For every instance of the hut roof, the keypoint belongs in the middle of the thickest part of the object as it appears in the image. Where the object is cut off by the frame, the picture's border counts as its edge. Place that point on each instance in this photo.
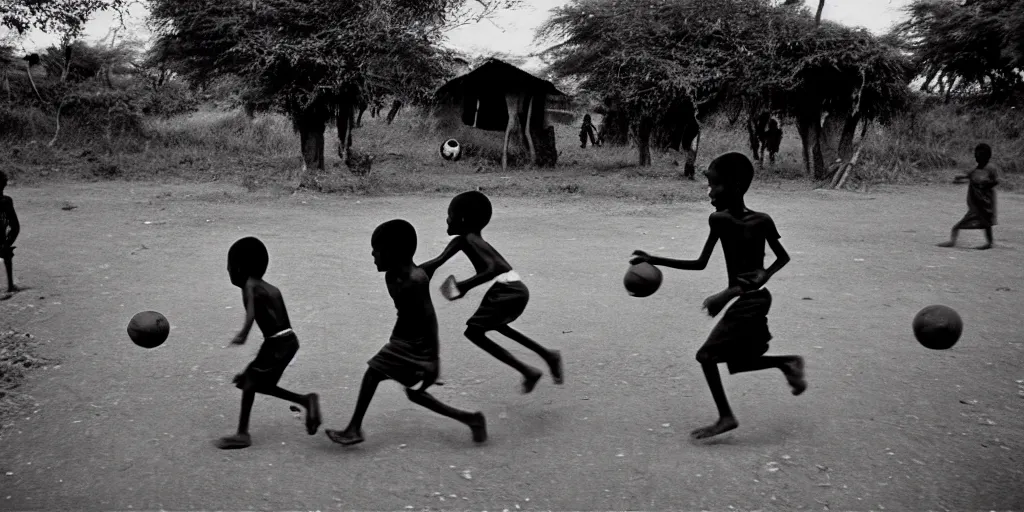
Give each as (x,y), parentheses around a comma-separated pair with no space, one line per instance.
(496,75)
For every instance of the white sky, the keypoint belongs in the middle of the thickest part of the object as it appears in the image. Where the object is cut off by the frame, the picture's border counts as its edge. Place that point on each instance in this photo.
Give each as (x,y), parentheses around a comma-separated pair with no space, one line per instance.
(512,32)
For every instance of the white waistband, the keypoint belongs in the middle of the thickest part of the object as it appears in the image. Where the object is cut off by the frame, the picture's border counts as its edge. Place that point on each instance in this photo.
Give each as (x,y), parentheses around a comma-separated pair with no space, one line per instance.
(508,277)
(282,333)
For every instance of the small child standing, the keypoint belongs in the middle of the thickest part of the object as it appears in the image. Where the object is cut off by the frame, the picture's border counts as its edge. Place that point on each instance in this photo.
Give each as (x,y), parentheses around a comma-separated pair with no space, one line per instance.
(981,198)
(411,356)
(588,131)
(740,339)
(247,262)
(506,298)
(9,229)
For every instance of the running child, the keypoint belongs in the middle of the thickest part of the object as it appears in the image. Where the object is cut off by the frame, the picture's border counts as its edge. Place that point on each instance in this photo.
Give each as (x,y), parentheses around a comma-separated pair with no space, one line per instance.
(981,198)
(506,298)
(247,262)
(740,339)
(587,130)
(9,229)
(411,356)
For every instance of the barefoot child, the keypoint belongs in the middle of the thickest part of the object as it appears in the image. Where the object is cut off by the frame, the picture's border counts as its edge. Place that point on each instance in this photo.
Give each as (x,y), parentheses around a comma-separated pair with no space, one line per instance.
(247,262)
(740,339)
(981,198)
(411,356)
(587,130)
(506,298)
(9,229)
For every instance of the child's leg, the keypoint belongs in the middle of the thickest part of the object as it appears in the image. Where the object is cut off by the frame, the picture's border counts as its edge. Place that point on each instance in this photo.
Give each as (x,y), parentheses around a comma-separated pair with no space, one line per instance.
(475,420)
(952,237)
(552,357)
(988,239)
(9,266)
(310,402)
(353,433)
(241,439)
(726,421)
(530,374)
(792,367)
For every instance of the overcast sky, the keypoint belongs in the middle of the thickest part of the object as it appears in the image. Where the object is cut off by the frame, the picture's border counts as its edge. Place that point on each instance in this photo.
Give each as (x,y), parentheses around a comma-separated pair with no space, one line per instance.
(512,32)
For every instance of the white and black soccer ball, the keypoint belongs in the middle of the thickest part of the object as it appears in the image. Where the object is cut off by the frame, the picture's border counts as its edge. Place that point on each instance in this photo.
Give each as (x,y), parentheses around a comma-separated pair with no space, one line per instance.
(451,150)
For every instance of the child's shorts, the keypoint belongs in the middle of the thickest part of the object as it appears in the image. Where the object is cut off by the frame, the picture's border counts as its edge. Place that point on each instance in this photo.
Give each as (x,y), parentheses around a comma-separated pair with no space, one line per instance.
(501,305)
(742,333)
(405,361)
(274,356)
(6,252)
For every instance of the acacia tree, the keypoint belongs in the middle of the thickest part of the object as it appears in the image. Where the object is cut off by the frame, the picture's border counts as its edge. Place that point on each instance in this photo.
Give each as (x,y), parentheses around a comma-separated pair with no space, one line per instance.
(310,59)
(967,47)
(52,16)
(664,58)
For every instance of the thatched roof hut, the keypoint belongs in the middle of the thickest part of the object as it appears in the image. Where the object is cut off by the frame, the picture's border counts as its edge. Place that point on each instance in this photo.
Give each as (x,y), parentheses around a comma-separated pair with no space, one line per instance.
(497,96)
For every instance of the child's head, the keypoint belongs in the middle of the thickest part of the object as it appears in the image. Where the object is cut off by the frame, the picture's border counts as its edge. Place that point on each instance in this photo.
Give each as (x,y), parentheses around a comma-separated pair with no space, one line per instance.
(773,124)
(982,153)
(586,118)
(468,212)
(247,258)
(393,244)
(729,177)
(3,180)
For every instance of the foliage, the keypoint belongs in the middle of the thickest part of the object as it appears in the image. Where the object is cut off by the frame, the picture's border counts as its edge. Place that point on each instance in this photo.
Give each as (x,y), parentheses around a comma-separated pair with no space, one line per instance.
(658,56)
(967,47)
(299,55)
(56,16)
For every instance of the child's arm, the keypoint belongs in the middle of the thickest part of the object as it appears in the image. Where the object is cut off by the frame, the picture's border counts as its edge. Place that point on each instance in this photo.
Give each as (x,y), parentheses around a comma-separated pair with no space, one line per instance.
(698,264)
(450,250)
(758,278)
(250,314)
(12,222)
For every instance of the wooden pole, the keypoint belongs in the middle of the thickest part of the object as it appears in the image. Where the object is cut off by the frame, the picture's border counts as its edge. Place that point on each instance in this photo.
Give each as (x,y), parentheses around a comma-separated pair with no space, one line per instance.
(529,139)
(513,112)
(476,113)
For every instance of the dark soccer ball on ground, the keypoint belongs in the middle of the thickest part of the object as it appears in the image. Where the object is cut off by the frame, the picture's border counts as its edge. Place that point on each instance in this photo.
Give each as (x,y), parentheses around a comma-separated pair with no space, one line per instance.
(451,150)
(148,329)
(642,279)
(938,327)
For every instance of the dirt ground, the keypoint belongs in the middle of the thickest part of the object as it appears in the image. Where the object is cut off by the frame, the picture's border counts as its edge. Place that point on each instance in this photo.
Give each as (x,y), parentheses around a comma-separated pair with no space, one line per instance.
(885,424)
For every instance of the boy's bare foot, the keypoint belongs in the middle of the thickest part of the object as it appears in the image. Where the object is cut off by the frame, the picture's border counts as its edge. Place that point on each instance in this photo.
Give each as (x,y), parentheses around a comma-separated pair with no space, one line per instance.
(344,437)
(947,243)
(234,442)
(720,427)
(983,247)
(478,425)
(312,413)
(555,363)
(794,371)
(530,380)
(14,289)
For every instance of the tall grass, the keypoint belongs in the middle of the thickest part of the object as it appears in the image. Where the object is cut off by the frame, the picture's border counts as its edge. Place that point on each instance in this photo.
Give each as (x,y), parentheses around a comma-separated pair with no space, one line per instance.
(227,145)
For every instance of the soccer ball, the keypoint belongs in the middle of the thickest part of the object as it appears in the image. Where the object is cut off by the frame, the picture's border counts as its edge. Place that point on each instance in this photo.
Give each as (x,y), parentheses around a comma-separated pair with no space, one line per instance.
(451,150)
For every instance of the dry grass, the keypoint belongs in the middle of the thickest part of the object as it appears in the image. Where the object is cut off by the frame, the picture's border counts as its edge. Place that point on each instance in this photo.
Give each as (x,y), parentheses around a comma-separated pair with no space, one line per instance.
(260,152)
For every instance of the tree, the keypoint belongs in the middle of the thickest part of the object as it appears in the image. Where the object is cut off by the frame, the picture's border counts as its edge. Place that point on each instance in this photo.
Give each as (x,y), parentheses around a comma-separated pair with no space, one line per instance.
(968,47)
(701,57)
(52,16)
(311,59)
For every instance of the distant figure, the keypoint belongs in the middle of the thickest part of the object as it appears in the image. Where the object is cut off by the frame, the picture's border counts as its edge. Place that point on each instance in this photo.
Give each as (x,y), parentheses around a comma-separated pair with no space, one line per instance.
(9,229)
(981,198)
(588,131)
(772,139)
(412,356)
(740,339)
(264,305)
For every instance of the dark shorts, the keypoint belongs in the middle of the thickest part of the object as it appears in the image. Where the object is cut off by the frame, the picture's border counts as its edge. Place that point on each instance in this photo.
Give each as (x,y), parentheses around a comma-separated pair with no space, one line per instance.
(501,305)
(265,371)
(6,252)
(404,362)
(976,220)
(742,333)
